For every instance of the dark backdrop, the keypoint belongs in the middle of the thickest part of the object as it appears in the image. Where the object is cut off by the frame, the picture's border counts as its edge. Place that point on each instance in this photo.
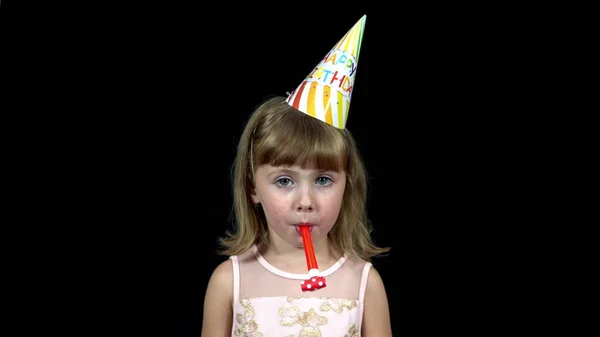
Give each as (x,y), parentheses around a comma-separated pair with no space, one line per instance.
(147,101)
(190,86)
(270,55)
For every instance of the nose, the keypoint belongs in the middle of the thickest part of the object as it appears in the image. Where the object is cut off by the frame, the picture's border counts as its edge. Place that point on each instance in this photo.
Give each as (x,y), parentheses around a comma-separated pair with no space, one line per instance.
(304,208)
(305,202)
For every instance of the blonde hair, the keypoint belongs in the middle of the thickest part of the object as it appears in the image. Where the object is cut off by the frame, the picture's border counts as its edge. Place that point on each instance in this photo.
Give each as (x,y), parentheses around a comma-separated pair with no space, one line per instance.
(278,134)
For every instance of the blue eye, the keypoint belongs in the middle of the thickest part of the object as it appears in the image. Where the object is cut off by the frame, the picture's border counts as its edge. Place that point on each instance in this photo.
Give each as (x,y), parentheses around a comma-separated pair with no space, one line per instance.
(324,181)
(283,182)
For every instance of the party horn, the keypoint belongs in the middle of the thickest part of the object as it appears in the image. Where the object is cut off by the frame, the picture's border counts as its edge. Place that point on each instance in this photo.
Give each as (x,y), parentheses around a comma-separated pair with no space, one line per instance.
(314,281)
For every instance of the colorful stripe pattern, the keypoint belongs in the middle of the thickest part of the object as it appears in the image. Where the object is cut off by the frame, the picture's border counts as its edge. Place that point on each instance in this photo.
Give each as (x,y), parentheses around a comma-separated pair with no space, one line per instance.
(326,92)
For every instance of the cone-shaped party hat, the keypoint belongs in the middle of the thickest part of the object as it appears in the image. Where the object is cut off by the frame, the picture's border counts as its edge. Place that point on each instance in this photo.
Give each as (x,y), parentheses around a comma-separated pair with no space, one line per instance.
(325,93)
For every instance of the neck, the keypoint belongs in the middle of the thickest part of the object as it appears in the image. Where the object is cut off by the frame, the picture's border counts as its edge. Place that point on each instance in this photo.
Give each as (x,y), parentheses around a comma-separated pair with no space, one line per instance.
(293,259)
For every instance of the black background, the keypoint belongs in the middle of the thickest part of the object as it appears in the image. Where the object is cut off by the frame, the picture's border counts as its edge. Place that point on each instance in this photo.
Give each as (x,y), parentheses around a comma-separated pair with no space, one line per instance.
(256,57)
(394,116)
(148,101)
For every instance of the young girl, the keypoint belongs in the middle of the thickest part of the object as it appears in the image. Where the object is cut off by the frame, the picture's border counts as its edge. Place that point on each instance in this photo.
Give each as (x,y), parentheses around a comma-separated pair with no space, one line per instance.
(292,168)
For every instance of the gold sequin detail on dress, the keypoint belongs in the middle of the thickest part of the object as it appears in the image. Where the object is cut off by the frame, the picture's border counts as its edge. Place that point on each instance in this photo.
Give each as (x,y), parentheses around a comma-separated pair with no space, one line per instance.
(247,326)
(289,315)
(337,304)
(293,298)
(309,320)
(352,332)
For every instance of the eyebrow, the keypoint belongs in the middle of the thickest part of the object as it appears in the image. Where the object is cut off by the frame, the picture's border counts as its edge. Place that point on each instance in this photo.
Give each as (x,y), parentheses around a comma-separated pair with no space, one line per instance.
(280,171)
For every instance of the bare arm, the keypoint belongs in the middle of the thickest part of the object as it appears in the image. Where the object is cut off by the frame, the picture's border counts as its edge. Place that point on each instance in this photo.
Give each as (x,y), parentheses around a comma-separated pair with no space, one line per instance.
(376,318)
(218,310)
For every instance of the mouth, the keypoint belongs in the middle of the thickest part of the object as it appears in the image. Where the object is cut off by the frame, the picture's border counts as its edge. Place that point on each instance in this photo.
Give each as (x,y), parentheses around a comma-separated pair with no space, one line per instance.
(297,227)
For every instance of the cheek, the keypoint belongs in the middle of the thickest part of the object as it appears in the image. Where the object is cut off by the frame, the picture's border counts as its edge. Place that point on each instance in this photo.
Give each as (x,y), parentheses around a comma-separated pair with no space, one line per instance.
(273,208)
(335,203)
(277,212)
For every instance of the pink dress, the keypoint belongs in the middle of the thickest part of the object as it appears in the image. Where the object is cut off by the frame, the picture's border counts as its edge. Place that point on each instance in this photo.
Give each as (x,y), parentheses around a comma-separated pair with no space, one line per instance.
(269,302)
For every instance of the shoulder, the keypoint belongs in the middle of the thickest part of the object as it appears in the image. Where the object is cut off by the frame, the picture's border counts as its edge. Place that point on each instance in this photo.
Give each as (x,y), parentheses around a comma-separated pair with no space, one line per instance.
(218,301)
(222,275)
(355,263)
(376,320)
(375,282)
(219,291)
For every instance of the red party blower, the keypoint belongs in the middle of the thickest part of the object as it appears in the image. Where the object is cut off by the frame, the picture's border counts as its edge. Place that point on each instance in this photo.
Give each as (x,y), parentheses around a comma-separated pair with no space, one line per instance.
(314,281)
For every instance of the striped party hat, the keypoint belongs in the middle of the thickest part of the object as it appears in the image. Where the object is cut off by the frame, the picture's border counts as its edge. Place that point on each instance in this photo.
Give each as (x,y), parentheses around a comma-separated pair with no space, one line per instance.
(325,93)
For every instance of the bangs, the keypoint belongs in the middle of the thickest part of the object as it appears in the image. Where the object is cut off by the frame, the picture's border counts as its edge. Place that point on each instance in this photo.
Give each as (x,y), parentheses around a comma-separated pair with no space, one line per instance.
(307,142)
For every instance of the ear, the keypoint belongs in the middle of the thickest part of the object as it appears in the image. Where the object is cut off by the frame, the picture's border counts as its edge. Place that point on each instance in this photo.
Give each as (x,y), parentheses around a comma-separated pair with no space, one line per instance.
(255,198)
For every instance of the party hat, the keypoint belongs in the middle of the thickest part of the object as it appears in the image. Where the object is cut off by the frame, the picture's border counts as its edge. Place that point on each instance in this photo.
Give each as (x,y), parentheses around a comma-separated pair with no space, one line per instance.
(325,93)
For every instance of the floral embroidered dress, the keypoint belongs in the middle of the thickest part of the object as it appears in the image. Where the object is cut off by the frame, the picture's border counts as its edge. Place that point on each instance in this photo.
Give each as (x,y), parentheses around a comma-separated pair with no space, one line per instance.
(269,302)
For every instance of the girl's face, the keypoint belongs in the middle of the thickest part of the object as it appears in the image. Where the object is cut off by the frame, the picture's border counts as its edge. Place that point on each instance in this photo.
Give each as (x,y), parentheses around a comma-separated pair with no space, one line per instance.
(292,195)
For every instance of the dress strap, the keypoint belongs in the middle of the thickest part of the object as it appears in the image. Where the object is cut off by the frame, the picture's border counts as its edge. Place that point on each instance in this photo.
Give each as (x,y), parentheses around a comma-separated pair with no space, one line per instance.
(361,293)
(363,281)
(236,278)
